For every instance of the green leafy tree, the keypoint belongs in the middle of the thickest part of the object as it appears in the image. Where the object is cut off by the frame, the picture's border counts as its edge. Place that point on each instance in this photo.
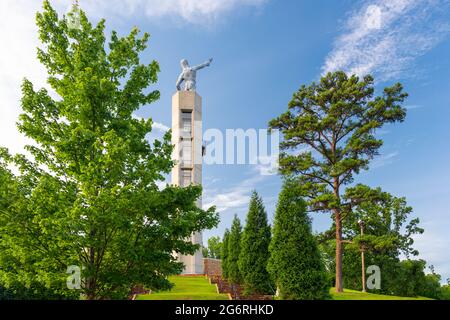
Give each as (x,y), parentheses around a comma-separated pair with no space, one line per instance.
(445,292)
(388,235)
(295,262)
(329,137)
(214,249)
(386,221)
(255,249)
(89,197)
(432,285)
(234,250)
(225,253)
(205,252)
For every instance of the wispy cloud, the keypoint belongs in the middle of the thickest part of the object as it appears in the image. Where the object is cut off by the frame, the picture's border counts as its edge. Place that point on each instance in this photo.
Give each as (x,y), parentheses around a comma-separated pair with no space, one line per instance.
(384,37)
(413,106)
(190,11)
(234,197)
(384,160)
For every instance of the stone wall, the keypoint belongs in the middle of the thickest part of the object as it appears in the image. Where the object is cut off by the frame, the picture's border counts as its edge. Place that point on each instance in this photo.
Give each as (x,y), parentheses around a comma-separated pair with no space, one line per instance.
(212,267)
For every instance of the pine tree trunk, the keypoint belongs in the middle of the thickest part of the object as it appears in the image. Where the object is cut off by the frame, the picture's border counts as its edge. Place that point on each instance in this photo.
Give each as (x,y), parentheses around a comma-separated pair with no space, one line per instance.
(337,216)
(338,222)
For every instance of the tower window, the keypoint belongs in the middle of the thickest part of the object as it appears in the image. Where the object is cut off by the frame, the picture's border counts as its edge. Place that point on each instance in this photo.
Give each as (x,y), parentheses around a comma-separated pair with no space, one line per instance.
(186,122)
(186,152)
(186,178)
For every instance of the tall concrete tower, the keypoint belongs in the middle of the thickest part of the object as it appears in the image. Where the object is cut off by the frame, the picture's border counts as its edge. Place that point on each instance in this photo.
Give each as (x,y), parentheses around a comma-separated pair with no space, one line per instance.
(187,141)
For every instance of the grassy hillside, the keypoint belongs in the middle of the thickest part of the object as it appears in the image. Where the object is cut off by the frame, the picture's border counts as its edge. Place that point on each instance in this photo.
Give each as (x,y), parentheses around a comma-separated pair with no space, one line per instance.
(358,295)
(199,288)
(187,288)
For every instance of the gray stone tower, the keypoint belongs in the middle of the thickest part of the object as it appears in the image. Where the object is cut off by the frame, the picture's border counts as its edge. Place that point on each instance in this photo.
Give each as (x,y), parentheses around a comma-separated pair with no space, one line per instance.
(187,141)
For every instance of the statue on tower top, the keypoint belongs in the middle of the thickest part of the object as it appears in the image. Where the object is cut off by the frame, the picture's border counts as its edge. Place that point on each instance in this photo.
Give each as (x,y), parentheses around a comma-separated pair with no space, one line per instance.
(189,75)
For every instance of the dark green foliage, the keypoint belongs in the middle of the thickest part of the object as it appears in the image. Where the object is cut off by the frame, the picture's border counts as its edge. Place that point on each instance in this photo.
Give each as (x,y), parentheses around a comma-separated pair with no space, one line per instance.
(234,249)
(33,292)
(255,249)
(411,278)
(352,267)
(295,262)
(97,204)
(225,254)
(329,137)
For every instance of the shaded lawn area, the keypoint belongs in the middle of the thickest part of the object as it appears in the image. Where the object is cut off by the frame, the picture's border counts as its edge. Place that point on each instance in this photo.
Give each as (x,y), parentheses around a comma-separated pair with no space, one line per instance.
(358,295)
(187,288)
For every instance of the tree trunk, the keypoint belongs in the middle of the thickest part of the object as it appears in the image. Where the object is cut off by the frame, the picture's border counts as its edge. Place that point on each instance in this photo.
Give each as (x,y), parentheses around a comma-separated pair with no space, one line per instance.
(338,222)
(337,217)
(90,281)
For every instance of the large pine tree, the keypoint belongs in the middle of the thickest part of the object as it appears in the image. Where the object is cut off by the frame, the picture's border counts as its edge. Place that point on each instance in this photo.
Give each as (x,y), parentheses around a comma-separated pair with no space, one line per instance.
(255,249)
(330,136)
(234,249)
(295,262)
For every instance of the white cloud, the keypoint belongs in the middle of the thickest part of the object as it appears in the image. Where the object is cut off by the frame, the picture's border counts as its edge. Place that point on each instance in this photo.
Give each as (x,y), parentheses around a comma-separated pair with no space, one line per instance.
(267,165)
(238,196)
(160,127)
(156,125)
(18,34)
(228,200)
(234,197)
(191,11)
(384,37)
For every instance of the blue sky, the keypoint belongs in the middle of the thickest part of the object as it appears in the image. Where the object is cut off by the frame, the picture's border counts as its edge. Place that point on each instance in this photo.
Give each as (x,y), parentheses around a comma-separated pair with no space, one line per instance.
(263,51)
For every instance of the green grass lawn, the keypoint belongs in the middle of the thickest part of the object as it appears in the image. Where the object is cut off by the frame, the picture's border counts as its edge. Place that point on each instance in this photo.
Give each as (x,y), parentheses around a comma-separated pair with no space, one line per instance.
(198,288)
(187,288)
(358,295)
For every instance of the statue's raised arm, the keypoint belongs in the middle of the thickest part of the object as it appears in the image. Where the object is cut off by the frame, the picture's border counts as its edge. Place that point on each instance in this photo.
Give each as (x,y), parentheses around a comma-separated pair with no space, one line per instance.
(203,65)
(189,75)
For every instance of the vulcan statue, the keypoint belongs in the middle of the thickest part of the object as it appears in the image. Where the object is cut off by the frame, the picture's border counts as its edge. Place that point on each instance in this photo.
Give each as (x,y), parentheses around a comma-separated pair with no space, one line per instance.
(189,75)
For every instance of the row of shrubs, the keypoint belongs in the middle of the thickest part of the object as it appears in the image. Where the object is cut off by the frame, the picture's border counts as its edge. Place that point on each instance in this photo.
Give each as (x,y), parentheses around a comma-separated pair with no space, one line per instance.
(283,259)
